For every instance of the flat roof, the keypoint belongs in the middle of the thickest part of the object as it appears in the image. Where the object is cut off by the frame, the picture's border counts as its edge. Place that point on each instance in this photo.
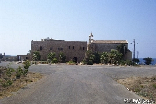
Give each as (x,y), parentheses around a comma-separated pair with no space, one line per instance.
(110,41)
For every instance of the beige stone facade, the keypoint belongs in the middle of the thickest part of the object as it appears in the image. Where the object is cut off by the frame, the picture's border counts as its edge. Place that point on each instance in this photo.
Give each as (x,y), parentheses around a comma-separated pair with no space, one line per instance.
(72,49)
(107,45)
(75,49)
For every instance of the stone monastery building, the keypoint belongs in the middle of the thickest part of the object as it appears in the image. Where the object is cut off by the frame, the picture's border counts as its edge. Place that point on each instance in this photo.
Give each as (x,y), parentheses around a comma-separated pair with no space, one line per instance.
(74,50)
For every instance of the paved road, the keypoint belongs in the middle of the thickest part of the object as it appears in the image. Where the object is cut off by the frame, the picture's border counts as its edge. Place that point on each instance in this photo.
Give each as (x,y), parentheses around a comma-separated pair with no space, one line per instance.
(65,84)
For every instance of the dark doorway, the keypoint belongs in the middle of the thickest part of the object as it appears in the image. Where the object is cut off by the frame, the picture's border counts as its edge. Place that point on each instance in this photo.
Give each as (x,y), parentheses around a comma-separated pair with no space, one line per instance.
(75,59)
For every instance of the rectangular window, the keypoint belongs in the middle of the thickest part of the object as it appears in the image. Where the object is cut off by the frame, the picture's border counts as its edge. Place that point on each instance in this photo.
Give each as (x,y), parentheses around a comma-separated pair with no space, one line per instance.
(51,48)
(73,47)
(69,47)
(40,47)
(83,48)
(60,49)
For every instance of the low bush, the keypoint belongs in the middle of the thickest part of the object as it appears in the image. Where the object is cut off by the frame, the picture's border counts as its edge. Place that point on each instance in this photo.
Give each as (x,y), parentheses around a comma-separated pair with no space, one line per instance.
(54,60)
(84,62)
(7,75)
(9,71)
(90,62)
(6,83)
(71,62)
(154,85)
(26,64)
(122,62)
(19,72)
(128,62)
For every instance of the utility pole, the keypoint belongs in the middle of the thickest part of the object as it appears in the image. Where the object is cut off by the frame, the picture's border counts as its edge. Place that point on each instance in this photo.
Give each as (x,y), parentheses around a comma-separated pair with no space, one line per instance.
(134,49)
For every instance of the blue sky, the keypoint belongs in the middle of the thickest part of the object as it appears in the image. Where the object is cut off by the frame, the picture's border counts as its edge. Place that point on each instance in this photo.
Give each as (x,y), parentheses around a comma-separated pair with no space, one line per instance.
(24,20)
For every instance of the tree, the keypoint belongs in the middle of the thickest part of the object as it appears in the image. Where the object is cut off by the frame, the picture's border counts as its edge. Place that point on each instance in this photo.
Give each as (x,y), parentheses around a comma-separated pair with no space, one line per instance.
(89,58)
(62,57)
(36,56)
(104,57)
(115,56)
(122,49)
(96,57)
(147,60)
(26,66)
(136,60)
(54,60)
(51,56)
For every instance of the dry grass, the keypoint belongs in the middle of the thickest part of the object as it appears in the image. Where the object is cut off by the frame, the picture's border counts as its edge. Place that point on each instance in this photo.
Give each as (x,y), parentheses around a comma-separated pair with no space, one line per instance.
(145,87)
(17,83)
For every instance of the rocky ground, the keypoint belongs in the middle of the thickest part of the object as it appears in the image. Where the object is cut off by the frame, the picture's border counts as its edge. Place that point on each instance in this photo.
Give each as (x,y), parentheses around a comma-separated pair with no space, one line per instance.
(142,86)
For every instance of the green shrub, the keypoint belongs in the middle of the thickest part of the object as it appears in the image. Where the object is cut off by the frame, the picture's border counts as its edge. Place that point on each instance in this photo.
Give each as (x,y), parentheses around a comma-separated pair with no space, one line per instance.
(19,72)
(54,60)
(128,62)
(84,62)
(148,60)
(122,62)
(154,85)
(6,83)
(71,62)
(9,72)
(18,75)
(25,72)
(48,61)
(26,64)
(90,62)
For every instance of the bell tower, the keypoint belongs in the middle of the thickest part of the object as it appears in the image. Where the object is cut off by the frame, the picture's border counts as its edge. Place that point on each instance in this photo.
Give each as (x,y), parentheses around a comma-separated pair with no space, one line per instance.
(90,39)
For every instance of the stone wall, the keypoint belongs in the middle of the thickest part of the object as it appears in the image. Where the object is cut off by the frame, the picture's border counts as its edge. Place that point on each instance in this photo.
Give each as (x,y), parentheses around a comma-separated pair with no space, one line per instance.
(23,57)
(107,47)
(128,55)
(103,47)
(70,48)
